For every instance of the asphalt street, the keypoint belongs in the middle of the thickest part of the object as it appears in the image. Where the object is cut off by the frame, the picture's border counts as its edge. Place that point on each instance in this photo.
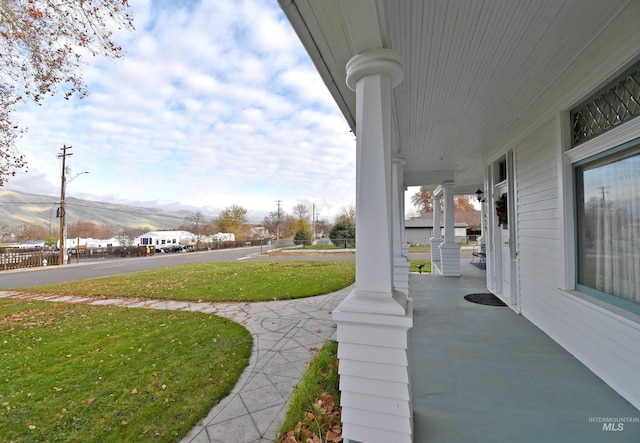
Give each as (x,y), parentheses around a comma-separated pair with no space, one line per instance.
(21,278)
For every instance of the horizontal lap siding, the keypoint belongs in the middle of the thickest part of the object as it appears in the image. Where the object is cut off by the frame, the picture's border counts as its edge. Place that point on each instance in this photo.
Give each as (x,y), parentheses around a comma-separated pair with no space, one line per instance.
(537,207)
(601,340)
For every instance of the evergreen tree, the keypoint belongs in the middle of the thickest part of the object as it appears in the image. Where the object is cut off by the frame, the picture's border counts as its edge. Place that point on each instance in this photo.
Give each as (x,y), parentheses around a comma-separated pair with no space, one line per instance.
(343,234)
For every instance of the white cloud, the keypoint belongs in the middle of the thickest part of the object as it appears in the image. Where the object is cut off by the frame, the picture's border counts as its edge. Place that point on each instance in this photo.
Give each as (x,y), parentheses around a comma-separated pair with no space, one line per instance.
(215,103)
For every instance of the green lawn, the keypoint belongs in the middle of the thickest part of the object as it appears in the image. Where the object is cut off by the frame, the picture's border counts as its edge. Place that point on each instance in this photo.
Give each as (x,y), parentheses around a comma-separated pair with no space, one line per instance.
(307,416)
(79,373)
(220,281)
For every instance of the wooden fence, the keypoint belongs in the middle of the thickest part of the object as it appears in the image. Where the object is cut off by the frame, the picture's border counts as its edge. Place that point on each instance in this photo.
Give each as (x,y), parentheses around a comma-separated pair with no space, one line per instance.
(28,259)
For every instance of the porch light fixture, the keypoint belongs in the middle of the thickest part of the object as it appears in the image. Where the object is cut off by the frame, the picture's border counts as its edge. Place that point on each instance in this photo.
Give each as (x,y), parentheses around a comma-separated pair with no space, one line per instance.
(479,194)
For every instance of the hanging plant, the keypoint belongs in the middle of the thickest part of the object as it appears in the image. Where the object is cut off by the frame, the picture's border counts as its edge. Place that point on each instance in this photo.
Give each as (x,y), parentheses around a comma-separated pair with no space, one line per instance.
(501,210)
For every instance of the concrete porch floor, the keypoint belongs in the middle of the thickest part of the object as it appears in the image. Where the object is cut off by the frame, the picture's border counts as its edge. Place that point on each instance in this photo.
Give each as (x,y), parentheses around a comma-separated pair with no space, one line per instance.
(485,374)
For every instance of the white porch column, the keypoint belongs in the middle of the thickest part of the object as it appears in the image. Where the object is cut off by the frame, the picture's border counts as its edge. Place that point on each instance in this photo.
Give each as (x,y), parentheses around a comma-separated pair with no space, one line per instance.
(436,238)
(449,250)
(400,260)
(405,245)
(482,238)
(374,319)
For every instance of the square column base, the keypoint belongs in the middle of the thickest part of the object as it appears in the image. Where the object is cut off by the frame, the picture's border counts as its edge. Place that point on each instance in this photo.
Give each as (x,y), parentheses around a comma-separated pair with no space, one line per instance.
(450,259)
(435,248)
(374,375)
(401,274)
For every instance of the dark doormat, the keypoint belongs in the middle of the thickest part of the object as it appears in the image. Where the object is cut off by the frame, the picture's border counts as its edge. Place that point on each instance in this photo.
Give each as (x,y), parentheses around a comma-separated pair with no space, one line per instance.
(484,298)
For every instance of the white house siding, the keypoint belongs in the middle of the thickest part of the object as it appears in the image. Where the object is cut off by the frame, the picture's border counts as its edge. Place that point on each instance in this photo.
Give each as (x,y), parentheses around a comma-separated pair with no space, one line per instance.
(602,337)
(604,341)
(538,224)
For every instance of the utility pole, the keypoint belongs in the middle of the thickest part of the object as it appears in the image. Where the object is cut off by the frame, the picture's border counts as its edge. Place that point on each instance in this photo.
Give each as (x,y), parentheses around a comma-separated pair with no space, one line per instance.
(278,222)
(61,212)
(313,220)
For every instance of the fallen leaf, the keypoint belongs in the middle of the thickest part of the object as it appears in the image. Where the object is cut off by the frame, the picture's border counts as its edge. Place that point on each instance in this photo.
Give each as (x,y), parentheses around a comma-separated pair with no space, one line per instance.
(135,391)
(63,410)
(318,331)
(164,387)
(32,427)
(123,423)
(90,400)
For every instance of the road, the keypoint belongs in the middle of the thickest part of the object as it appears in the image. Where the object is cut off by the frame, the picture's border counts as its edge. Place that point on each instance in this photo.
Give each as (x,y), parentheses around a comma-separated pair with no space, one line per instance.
(21,278)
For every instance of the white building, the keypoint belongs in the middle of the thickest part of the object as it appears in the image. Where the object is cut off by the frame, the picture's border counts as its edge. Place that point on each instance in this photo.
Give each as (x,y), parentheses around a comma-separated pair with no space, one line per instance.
(92,242)
(223,236)
(160,238)
(535,104)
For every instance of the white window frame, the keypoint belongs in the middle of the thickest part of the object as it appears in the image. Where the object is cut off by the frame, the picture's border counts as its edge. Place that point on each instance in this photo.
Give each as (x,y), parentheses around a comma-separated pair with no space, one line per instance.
(611,139)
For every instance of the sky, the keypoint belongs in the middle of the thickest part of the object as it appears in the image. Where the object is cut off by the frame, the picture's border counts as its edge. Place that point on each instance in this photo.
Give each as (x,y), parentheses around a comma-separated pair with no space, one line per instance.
(215,103)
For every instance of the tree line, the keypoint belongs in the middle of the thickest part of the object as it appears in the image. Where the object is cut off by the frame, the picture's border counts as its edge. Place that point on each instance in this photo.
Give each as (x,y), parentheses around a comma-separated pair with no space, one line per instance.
(296,225)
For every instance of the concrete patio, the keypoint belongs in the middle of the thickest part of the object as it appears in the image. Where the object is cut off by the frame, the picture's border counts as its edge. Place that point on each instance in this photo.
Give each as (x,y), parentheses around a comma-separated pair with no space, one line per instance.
(485,374)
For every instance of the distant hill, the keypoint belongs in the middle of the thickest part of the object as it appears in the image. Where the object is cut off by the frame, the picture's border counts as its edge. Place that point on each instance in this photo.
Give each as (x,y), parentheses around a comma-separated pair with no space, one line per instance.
(17,208)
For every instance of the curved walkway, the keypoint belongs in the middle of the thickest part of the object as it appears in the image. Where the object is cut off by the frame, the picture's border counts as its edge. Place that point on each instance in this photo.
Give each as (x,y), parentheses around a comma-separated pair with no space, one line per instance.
(285,333)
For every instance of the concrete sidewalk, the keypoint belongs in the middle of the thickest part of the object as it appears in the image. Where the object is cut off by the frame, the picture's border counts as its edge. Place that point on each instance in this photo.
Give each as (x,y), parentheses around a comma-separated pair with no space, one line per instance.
(285,336)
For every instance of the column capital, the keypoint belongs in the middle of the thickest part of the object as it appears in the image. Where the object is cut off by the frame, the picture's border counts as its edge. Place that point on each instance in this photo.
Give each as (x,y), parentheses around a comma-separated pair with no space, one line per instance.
(448,184)
(377,61)
(400,159)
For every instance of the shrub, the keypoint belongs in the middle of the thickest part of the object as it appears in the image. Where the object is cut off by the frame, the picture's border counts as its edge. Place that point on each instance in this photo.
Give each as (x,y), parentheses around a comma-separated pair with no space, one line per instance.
(343,233)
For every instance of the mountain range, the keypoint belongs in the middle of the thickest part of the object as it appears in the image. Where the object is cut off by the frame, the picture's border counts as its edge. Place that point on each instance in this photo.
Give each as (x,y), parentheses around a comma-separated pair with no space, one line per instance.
(17,208)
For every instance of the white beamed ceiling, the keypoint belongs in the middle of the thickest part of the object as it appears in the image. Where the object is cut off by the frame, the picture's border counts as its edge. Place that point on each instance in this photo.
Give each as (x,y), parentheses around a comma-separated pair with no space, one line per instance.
(471,67)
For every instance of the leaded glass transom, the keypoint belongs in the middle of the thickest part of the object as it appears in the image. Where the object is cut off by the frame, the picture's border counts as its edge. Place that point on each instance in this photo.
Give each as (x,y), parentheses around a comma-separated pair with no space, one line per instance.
(608,108)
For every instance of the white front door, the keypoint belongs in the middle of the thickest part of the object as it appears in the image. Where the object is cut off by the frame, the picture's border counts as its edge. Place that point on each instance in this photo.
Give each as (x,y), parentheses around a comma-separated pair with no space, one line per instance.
(506,261)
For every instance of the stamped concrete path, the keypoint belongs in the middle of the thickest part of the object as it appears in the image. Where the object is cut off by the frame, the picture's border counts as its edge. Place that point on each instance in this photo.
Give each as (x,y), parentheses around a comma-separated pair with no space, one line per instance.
(285,336)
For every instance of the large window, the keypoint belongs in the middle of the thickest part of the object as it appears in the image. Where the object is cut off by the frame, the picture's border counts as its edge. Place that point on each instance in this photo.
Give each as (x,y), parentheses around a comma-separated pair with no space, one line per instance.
(608,223)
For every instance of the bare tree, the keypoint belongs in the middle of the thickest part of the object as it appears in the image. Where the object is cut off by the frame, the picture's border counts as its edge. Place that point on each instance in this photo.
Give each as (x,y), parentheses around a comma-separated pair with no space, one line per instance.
(197,222)
(423,201)
(29,231)
(271,221)
(347,213)
(83,229)
(41,48)
(288,226)
(301,211)
(107,230)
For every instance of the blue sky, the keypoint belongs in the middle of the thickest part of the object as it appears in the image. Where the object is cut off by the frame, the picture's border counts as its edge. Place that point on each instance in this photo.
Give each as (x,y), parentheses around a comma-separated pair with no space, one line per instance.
(215,103)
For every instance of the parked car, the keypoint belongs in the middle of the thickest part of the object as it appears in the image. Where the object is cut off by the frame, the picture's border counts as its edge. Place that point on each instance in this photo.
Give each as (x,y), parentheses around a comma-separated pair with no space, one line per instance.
(169,248)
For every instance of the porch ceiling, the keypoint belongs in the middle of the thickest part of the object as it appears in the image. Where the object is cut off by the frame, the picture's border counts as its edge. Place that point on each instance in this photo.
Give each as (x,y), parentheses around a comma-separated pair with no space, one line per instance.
(471,67)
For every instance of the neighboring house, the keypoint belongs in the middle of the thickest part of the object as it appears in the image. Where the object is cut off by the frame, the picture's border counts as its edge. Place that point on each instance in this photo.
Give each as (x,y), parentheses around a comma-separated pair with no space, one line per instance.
(160,238)
(456,99)
(257,232)
(418,231)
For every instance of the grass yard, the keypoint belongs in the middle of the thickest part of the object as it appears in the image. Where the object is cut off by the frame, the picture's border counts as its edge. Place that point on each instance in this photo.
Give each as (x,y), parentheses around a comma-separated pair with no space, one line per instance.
(220,281)
(314,409)
(78,373)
